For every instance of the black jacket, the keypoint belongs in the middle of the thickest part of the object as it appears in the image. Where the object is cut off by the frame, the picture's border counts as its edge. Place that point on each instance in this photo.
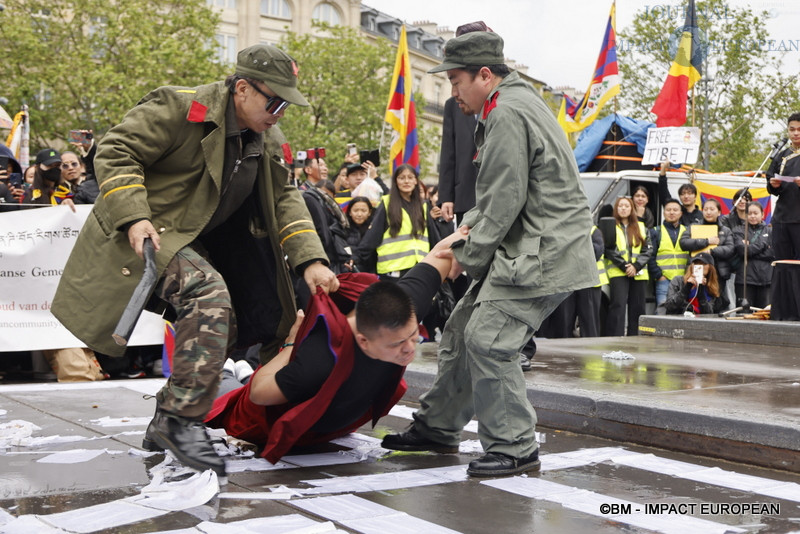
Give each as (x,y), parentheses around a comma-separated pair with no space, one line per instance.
(722,253)
(759,255)
(787,208)
(678,298)
(457,174)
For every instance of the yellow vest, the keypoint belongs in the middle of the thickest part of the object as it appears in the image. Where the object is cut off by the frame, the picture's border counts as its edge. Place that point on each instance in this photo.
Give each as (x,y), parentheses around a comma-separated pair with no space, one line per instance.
(404,250)
(601,268)
(622,245)
(671,258)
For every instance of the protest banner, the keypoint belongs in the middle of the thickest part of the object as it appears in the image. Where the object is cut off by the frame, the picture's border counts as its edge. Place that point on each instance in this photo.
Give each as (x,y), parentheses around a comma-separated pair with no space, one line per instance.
(34,247)
(676,144)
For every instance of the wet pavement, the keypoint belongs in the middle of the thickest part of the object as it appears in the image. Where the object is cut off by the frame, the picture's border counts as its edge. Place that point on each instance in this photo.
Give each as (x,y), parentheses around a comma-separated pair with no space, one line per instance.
(626,445)
(582,476)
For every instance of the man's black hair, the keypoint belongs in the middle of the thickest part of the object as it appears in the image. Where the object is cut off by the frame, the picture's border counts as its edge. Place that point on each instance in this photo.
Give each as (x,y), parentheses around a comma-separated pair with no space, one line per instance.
(794,117)
(690,187)
(672,201)
(383,304)
(498,70)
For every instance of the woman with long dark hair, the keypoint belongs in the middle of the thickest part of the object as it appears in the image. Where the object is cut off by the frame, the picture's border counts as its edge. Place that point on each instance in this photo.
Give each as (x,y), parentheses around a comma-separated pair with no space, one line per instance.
(626,261)
(48,189)
(698,291)
(347,240)
(399,232)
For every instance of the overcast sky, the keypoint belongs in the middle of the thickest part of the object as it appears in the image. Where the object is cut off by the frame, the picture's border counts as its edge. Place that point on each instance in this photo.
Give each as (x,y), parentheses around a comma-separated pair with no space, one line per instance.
(560,41)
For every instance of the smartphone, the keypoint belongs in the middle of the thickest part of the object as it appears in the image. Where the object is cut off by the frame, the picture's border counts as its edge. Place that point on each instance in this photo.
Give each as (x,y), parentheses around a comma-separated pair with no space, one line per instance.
(301,156)
(3,163)
(311,153)
(321,152)
(15,179)
(697,271)
(79,136)
(370,155)
(351,149)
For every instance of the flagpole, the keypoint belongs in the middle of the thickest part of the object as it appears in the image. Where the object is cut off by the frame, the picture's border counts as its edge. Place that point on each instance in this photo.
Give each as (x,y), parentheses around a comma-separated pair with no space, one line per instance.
(693,106)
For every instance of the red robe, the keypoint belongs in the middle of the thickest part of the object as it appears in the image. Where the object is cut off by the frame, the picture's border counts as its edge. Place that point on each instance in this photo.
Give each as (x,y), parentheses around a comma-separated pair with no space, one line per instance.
(282,427)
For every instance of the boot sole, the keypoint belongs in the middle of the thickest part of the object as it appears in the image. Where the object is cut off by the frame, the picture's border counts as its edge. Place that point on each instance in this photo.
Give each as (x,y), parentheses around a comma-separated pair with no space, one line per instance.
(529,467)
(154,444)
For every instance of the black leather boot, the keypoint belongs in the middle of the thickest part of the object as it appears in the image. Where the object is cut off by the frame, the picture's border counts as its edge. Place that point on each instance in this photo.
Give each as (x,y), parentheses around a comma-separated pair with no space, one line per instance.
(186,439)
(411,440)
(495,464)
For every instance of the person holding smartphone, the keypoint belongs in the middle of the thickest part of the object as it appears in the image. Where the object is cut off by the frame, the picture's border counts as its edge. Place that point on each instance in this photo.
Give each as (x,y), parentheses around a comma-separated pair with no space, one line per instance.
(11,190)
(698,290)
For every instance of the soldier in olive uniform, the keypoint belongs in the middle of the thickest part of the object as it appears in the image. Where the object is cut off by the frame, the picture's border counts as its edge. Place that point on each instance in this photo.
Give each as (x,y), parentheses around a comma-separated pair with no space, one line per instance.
(527,249)
(200,172)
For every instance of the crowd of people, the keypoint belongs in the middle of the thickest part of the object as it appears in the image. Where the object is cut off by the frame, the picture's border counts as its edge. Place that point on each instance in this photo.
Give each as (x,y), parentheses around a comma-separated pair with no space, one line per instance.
(242,246)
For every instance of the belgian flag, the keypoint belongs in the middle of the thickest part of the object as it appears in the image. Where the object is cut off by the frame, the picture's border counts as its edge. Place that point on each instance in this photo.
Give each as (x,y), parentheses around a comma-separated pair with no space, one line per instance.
(670,105)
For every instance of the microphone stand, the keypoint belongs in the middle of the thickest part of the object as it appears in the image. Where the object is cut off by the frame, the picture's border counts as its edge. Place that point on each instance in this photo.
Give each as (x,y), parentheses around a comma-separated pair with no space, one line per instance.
(744,308)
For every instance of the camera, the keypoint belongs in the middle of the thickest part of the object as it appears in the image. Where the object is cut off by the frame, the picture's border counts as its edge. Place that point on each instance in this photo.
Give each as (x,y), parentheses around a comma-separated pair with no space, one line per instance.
(697,271)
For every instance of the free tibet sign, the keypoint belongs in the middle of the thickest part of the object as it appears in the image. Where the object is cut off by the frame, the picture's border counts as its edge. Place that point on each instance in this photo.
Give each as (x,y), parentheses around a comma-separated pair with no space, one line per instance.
(678,144)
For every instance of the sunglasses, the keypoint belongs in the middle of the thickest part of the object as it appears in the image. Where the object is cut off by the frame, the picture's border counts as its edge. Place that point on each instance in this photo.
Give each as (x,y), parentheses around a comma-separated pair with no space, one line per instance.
(275,104)
(70,165)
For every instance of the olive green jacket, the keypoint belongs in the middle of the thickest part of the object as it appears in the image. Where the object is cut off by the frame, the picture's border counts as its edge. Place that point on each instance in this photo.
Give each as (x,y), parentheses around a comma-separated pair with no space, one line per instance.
(531,225)
(164,162)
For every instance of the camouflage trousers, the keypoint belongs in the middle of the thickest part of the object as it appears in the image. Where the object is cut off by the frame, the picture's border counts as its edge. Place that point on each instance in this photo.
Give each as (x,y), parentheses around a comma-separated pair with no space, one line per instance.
(204,321)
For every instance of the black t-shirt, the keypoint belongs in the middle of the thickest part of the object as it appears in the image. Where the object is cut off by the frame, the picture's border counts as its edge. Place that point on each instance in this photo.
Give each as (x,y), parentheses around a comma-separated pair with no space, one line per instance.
(303,377)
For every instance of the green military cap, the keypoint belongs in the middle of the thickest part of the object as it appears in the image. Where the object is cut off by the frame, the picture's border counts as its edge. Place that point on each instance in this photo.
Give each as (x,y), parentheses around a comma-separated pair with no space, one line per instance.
(274,67)
(474,48)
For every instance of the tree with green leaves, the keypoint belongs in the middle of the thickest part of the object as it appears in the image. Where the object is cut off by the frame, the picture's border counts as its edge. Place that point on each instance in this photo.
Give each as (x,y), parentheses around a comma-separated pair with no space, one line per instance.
(345,77)
(84,63)
(742,82)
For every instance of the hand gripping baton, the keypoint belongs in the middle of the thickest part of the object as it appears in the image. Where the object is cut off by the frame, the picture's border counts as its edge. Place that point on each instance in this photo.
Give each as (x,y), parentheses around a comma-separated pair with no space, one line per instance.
(140,295)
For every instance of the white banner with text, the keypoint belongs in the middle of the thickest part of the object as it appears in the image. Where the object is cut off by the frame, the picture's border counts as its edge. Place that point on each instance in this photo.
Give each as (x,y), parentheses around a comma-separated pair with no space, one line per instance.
(34,247)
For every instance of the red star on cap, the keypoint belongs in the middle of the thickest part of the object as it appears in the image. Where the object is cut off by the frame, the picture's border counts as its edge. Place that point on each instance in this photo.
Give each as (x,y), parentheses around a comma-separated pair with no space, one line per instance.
(294,69)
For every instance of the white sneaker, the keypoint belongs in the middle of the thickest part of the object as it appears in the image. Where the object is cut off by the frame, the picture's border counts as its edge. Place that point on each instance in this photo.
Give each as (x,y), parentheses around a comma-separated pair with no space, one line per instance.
(242,370)
(230,366)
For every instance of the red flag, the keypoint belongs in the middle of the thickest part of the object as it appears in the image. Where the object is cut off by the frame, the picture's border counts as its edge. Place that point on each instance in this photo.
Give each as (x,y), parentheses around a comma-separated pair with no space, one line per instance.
(685,71)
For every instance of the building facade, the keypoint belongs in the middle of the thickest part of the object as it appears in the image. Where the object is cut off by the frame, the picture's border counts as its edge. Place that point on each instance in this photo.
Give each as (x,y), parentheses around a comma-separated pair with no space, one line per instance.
(248,22)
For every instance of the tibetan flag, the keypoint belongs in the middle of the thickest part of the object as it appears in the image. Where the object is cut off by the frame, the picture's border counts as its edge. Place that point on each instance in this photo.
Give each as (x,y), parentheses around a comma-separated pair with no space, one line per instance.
(724,195)
(400,112)
(685,71)
(19,138)
(604,86)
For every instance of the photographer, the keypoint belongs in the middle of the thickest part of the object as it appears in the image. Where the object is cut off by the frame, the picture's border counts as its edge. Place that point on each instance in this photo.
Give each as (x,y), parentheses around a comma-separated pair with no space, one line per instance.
(698,290)
(11,190)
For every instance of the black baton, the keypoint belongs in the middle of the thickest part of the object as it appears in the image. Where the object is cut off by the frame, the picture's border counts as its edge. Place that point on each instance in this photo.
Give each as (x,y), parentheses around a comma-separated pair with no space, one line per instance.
(140,295)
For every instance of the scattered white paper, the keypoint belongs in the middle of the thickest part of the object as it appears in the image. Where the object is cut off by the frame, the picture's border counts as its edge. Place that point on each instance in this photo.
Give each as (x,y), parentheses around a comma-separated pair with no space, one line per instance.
(400,523)
(28,524)
(178,495)
(282,524)
(386,481)
(279,493)
(368,517)
(16,433)
(3,412)
(74,456)
(589,502)
(470,446)
(5,517)
(254,464)
(618,355)
(142,453)
(102,516)
(321,459)
(121,421)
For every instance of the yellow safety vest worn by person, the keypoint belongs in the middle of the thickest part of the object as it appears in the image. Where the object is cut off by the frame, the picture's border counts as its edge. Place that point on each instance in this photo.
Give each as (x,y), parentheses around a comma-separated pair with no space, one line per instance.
(671,258)
(404,250)
(631,255)
(601,267)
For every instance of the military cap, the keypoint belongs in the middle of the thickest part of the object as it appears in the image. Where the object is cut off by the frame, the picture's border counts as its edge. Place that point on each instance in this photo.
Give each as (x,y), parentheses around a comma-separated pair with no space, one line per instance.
(474,48)
(274,67)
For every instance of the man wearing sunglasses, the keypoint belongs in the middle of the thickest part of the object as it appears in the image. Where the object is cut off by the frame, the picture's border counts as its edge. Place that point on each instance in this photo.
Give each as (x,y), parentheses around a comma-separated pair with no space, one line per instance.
(201,172)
